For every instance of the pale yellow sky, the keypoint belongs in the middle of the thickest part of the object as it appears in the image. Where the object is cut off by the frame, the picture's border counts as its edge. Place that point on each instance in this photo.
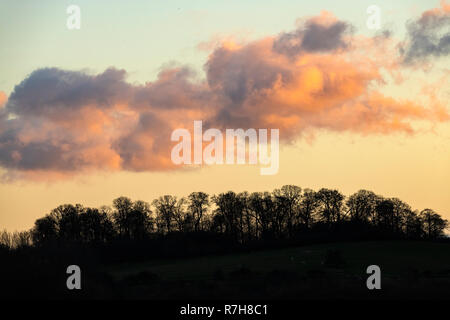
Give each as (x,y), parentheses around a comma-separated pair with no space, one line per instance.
(415,170)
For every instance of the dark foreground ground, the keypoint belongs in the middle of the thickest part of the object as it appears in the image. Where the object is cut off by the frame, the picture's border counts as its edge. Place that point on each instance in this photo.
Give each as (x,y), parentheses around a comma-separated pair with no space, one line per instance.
(409,270)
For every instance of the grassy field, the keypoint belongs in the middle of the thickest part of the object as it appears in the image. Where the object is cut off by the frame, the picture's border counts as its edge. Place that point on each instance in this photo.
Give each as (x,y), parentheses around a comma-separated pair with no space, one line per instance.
(421,269)
(394,258)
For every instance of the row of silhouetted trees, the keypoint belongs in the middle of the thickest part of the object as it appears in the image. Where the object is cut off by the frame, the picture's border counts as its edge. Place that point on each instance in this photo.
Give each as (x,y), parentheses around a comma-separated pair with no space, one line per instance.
(284,213)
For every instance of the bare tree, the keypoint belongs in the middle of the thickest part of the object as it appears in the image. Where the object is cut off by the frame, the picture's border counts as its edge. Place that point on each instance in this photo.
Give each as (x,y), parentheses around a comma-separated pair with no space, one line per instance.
(308,207)
(198,206)
(433,224)
(288,199)
(166,211)
(361,205)
(331,205)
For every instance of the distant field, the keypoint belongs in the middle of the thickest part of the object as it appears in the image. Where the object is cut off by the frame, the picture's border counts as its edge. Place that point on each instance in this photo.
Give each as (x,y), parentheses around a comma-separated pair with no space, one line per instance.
(394,258)
(408,269)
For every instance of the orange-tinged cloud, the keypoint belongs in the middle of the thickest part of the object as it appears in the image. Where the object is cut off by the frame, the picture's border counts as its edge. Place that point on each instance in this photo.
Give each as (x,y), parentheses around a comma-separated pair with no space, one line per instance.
(3,99)
(59,123)
(445,8)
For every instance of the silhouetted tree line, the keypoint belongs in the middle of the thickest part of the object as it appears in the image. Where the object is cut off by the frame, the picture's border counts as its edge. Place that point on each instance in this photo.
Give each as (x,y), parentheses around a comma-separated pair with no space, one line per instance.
(34,262)
(286,214)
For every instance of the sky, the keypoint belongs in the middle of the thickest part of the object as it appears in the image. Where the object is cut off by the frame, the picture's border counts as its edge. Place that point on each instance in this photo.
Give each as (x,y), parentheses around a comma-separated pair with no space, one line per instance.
(86,115)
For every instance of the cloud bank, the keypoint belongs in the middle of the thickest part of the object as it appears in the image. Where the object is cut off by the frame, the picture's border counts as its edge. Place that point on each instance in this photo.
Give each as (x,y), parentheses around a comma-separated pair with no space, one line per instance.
(57,123)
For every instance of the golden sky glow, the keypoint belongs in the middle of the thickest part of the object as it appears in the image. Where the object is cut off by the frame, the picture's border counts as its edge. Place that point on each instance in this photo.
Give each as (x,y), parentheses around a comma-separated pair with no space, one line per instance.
(354,110)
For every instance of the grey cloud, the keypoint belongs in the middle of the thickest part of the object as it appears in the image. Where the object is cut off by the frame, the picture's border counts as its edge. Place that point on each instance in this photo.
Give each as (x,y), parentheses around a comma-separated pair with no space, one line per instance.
(237,75)
(313,37)
(427,37)
(47,90)
(174,88)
